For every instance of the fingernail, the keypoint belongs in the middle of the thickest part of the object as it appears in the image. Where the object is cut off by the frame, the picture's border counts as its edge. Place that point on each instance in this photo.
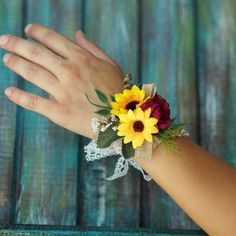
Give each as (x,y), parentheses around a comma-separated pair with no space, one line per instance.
(81,33)
(28,27)
(6,57)
(4,39)
(8,92)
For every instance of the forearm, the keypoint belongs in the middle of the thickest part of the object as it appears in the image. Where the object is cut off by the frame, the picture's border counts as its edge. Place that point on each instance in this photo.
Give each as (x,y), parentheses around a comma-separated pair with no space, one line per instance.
(201,184)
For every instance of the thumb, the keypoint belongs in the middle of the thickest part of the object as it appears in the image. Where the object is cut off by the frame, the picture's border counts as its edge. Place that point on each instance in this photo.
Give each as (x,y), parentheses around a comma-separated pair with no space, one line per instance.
(85,43)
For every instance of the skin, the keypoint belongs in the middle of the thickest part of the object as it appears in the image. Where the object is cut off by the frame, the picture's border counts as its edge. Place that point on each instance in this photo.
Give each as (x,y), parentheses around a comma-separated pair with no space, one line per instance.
(202,184)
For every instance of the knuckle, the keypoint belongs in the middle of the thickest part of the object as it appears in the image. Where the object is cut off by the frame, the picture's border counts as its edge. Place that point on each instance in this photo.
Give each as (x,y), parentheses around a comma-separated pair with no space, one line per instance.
(86,58)
(49,36)
(36,51)
(13,43)
(70,70)
(31,102)
(31,72)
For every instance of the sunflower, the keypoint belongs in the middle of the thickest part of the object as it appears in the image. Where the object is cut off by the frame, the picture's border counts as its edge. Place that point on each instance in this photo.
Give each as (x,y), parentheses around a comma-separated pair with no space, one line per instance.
(137,126)
(129,99)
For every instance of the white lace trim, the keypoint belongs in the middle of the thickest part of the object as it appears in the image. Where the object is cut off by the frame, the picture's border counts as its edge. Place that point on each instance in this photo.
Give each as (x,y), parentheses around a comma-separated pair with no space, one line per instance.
(93,153)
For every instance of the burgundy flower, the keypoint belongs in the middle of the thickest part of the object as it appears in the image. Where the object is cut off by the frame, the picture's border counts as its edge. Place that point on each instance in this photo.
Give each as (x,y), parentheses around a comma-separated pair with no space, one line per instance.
(160,110)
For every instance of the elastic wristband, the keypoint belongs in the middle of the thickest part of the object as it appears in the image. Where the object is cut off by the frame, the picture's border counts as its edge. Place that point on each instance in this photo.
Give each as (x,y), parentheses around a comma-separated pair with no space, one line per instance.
(133,124)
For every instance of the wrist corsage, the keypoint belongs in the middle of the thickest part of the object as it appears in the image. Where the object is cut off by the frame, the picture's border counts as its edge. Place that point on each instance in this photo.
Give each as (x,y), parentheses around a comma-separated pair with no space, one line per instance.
(133,124)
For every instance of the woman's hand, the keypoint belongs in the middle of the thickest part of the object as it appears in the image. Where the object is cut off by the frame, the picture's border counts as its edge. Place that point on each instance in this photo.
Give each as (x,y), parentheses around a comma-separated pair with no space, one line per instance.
(66,71)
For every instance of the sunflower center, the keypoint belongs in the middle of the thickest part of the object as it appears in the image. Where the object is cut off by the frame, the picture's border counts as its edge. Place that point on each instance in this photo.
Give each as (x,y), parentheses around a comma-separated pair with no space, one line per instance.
(131,105)
(138,126)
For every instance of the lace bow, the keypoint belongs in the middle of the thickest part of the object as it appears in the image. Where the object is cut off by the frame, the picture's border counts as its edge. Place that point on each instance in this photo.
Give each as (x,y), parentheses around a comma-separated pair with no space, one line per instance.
(93,153)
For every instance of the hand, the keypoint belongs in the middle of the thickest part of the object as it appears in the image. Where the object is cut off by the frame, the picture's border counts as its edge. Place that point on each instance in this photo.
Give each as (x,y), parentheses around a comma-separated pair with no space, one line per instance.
(66,71)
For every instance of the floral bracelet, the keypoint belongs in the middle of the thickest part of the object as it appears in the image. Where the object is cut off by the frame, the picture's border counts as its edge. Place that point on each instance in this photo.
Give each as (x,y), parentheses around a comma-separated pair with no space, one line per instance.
(133,124)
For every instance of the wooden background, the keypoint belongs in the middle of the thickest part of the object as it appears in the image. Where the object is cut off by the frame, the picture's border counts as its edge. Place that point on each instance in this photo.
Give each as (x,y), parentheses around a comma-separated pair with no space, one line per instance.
(187,47)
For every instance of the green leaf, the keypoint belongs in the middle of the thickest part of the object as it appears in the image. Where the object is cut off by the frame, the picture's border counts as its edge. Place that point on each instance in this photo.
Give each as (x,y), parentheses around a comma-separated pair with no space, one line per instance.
(127,150)
(170,144)
(107,137)
(173,130)
(103,112)
(101,96)
(94,103)
(113,98)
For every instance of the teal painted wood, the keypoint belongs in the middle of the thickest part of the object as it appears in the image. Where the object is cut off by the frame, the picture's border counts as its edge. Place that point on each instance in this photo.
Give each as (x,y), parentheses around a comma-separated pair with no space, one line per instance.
(48,177)
(168,47)
(7,110)
(113,26)
(217,76)
(92,231)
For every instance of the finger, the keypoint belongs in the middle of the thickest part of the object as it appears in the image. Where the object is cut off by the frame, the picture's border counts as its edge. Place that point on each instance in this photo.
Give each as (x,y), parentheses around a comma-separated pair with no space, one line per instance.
(32,52)
(31,101)
(85,43)
(33,73)
(56,42)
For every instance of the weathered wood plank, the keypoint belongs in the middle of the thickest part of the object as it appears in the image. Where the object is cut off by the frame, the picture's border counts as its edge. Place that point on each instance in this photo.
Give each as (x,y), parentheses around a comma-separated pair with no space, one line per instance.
(11,20)
(217,75)
(113,26)
(48,177)
(168,60)
(91,231)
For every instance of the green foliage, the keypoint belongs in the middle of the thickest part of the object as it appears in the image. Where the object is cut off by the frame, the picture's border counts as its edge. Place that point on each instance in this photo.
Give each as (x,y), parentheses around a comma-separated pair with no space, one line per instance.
(103,111)
(107,137)
(166,137)
(127,150)
(112,98)
(102,97)
(94,103)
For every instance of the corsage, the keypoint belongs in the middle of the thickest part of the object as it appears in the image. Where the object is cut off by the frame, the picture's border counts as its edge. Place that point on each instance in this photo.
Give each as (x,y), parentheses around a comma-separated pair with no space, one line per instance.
(133,124)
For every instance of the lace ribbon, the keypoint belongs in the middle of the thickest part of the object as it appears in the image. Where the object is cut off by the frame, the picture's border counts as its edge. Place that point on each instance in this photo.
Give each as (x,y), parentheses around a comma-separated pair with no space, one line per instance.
(93,153)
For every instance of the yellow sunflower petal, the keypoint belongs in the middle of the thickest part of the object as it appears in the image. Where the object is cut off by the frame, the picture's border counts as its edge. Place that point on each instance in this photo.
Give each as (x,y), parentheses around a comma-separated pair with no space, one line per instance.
(115,112)
(137,140)
(114,105)
(131,115)
(122,133)
(151,121)
(123,127)
(147,113)
(135,89)
(152,129)
(123,118)
(148,136)
(118,97)
(142,94)
(128,138)
(139,114)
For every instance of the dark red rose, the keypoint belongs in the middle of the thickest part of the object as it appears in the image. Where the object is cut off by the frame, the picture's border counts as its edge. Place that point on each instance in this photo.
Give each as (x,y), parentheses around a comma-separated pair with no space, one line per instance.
(160,110)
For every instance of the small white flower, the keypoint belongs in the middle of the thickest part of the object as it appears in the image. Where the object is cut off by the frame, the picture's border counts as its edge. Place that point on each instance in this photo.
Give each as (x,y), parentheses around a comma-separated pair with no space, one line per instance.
(113,118)
(114,128)
(95,124)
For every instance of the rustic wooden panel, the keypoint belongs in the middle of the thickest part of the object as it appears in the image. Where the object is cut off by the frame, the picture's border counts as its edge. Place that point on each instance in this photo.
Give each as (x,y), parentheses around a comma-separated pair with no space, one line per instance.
(91,231)
(11,20)
(217,76)
(113,26)
(48,156)
(168,48)
(94,233)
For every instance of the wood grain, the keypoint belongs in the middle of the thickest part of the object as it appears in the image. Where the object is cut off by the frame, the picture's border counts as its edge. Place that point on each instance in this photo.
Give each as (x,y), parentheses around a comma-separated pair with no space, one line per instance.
(217,77)
(113,26)
(8,112)
(168,47)
(48,157)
